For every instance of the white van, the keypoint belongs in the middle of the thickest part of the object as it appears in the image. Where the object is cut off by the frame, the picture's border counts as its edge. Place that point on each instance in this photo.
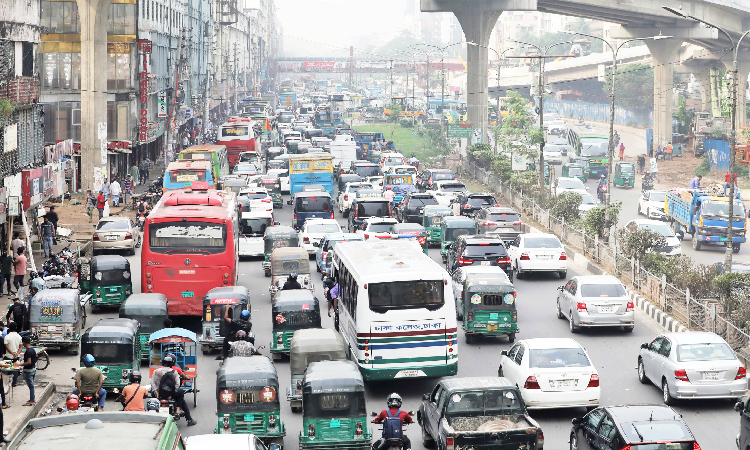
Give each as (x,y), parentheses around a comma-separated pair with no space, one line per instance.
(343,152)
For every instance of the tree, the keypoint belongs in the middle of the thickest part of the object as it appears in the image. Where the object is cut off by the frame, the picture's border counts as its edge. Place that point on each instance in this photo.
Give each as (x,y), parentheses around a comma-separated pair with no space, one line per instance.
(567,205)
(733,289)
(395,112)
(593,221)
(634,86)
(683,116)
(638,242)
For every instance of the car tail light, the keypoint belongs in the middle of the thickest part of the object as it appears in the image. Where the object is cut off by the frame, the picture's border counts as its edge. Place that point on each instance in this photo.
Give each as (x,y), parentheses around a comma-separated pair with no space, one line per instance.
(540,438)
(429,180)
(486,224)
(225,421)
(331,214)
(295,218)
(96,237)
(266,200)
(280,339)
(563,256)
(594,381)
(449,443)
(741,373)
(525,257)
(504,260)
(359,428)
(306,240)
(531,383)
(346,197)
(98,293)
(323,256)
(630,307)
(356,213)
(367,236)
(696,446)
(128,236)
(464,262)
(581,307)
(681,375)
(514,315)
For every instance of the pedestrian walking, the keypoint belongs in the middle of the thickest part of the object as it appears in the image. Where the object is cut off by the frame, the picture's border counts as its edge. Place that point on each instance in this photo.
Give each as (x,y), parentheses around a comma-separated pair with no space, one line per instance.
(135,173)
(106,189)
(116,190)
(100,202)
(16,243)
(48,234)
(6,262)
(19,265)
(149,166)
(622,152)
(127,188)
(185,143)
(90,204)
(727,177)
(53,217)
(29,368)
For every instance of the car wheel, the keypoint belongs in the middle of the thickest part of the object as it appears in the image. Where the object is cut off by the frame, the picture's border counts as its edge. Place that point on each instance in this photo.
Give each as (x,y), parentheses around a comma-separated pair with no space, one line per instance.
(642,372)
(560,314)
(511,337)
(519,274)
(317,267)
(573,441)
(427,440)
(131,252)
(668,399)
(500,371)
(563,274)
(459,315)
(573,328)
(696,242)
(629,329)
(469,338)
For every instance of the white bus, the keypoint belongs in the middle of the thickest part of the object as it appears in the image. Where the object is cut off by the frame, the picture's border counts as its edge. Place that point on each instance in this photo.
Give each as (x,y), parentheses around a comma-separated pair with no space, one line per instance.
(397,312)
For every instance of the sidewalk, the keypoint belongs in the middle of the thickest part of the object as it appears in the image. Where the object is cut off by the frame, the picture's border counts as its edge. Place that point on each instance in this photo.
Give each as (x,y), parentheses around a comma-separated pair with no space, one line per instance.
(15,417)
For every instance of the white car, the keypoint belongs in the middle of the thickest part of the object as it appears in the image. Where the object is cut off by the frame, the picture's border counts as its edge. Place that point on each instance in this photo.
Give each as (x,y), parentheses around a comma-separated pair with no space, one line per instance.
(563,184)
(460,275)
(253,226)
(376,228)
(348,194)
(557,126)
(447,190)
(283,175)
(587,201)
(257,198)
(313,231)
(552,154)
(673,247)
(376,181)
(651,204)
(551,373)
(538,252)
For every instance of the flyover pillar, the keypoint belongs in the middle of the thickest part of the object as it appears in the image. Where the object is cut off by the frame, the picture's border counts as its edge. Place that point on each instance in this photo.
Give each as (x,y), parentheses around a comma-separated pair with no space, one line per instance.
(663,53)
(705,82)
(94,16)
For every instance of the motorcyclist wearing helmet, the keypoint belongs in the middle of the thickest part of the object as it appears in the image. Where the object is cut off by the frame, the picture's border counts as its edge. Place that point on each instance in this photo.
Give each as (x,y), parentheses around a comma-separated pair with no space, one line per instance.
(243,324)
(89,380)
(394,410)
(291,282)
(389,194)
(169,369)
(133,394)
(242,345)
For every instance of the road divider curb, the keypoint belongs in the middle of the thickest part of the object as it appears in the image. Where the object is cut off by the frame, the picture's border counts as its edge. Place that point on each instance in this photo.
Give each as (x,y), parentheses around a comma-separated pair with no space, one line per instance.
(672,325)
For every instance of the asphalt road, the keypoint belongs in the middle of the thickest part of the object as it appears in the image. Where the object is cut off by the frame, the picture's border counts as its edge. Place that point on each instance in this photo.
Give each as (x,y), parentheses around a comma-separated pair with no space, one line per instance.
(614,353)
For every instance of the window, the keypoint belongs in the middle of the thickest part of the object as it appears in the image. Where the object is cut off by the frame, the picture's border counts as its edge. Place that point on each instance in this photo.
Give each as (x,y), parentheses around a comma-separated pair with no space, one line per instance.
(122,19)
(656,345)
(60,17)
(705,352)
(60,71)
(119,66)
(519,354)
(558,357)
(173,236)
(603,290)
(607,428)
(592,419)
(512,353)
(27,61)
(666,348)
(406,294)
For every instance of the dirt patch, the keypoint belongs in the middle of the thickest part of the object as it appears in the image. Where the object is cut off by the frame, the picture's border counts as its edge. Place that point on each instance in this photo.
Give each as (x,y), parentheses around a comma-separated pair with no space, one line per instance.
(74,217)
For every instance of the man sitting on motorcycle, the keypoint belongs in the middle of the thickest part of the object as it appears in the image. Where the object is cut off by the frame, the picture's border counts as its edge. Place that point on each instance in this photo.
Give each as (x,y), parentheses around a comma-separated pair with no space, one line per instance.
(394,404)
(165,384)
(291,283)
(89,380)
(602,182)
(243,345)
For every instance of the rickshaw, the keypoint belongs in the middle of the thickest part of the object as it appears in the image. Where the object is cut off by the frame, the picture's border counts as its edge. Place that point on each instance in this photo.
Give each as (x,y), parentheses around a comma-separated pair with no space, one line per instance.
(488,307)
(273,186)
(309,345)
(286,261)
(333,407)
(183,344)
(583,162)
(110,281)
(247,400)
(116,346)
(414,231)
(57,318)
(277,236)
(150,310)
(432,216)
(292,310)
(216,301)
(452,227)
(574,170)
(624,174)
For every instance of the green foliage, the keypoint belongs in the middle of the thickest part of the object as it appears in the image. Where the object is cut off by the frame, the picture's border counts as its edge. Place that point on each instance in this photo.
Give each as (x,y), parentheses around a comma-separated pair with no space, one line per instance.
(733,290)
(406,123)
(517,119)
(438,142)
(395,111)
(638,242)
(525,181)
(634,86)
(681,272)
(703,168)
(683,116)
(593,221)
(717,133)
(566,206)
(6,108)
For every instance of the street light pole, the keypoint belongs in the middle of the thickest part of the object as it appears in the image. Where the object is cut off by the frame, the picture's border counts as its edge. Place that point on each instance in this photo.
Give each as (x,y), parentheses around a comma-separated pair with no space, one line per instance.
(442,79)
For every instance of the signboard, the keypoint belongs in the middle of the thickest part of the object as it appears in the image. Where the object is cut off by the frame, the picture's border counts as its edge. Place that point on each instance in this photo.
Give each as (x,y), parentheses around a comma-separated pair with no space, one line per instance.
(32,182)
(13,206)
(144,46)
(10,138)
(161,102)
(462,130)
(104,153)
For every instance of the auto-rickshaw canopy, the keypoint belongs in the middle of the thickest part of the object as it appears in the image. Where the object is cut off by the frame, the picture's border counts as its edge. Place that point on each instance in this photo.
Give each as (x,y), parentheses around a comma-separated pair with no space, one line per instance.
(455,226)
(295,309)
(108,270)
(483,292)
(333,389)
(314,344)
(279,236)
(55,305)
(247,383)
(148,309)
(287,260)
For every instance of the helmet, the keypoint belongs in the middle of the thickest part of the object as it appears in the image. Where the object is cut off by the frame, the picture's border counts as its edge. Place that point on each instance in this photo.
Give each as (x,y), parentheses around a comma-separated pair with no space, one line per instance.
(168,360)
(241,335)
(72,403)
(603,176)
(135,377)
(152,404)
(394,401)
(37,283)
(388,188)
(293,276)
(245,315)
(88,360)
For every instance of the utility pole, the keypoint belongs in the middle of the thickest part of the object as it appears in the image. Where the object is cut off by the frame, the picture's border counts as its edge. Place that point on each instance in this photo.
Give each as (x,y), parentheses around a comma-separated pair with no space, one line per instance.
(170,119)
(351,68)
(391,70)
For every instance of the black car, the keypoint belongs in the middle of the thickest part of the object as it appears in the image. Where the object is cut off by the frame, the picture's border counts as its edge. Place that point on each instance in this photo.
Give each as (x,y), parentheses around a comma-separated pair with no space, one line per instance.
(468,203)
(412,205)
(363,208)
(478,250)
(429,176)
(635,427)
(365,169)
(348,178)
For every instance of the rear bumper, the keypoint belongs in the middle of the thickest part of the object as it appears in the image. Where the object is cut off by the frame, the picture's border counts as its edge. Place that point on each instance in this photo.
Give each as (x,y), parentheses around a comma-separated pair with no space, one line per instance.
(721,239)
(368,373)
(553,265)
(538,399)
(606,320)
(687,390)
(114,245)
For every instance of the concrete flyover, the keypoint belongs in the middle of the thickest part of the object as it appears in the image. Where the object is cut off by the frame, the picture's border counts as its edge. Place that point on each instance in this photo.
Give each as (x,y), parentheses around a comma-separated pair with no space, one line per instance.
(638,18)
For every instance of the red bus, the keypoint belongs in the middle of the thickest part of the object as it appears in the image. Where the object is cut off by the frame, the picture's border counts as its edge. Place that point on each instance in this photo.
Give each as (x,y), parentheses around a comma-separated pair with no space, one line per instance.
(238,135)
(190,245)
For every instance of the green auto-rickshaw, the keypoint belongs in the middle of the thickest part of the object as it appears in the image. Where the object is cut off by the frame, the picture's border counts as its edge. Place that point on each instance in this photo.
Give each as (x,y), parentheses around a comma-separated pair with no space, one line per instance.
(583,162)
(624,174)
(308,345)
(292,310)
(273,186)
(574,170)
(432,216)
(247,400)
(215,303)
(116,346)
(277,236)
(150,310)
(333,407)
(452,227)
(488,307)
(110,281)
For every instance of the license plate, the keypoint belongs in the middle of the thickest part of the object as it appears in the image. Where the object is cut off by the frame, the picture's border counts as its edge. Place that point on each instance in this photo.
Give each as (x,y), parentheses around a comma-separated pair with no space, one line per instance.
(409,374)
(491,327)
(113,289)
(606,309)
(485,263)
(713,376)
(110,238)
(564,383)
(187,294)
(544,257)
(335,423)
(163,410)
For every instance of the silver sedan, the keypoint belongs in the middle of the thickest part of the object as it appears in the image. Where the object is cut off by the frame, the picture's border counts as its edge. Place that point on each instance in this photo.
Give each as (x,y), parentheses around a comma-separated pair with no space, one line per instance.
(595,301)
(692,365)
(116,233)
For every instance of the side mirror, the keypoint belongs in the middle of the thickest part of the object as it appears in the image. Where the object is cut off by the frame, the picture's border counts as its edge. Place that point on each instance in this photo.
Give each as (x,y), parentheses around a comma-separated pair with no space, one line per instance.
(739,406)
(373,414)
(577,421)
(504,353)
(425,397)
(645,345)
(274,447)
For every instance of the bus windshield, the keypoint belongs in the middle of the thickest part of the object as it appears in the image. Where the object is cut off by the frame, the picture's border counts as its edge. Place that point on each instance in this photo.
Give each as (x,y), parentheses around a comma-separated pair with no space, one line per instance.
(594,147)
(186,175)
(172,237)
(406,295)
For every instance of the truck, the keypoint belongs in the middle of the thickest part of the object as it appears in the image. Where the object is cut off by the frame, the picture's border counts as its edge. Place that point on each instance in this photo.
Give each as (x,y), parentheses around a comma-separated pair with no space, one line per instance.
(478,413)
(311,168)
(344,151)
(364,143)
(705,217)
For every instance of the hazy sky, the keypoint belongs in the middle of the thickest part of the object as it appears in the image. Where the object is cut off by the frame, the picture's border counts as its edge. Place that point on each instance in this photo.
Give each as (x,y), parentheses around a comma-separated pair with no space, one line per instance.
(329,27)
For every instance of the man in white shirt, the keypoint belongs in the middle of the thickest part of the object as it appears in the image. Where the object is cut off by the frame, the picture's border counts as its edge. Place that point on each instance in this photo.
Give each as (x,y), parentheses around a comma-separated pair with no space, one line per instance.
(116,190)
(389,194)
(13,347)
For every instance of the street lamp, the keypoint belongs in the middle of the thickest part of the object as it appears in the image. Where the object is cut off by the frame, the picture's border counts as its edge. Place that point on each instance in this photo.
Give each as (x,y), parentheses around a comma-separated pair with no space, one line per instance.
(732,137)
(611,153)
(442,79)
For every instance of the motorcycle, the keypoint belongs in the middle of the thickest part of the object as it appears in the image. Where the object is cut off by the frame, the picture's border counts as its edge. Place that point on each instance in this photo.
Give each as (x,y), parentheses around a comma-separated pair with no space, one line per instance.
(602,193)
(89,402)
(391,443)
(647,185)
(142,220)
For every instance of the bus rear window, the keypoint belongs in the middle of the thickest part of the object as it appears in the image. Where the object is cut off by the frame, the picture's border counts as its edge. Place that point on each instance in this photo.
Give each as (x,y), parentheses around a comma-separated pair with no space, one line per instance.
(406,295)
(172,237)
(198,155)
(313,204)
(234,131)
(186,176)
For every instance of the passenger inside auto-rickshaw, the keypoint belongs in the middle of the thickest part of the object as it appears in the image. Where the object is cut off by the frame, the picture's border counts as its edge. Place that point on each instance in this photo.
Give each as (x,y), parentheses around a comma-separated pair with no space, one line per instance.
(183,345)
(432,216)
(333,407)
(292,310)
(452,227)
(116,346)
(624,174)
(287,261)
(488,307)
(307,346)
(150,310)
(273,186)
(215,303)
(247,399)
(411,231)
(277,236)
(571,170)
(57,318)
(111,281)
